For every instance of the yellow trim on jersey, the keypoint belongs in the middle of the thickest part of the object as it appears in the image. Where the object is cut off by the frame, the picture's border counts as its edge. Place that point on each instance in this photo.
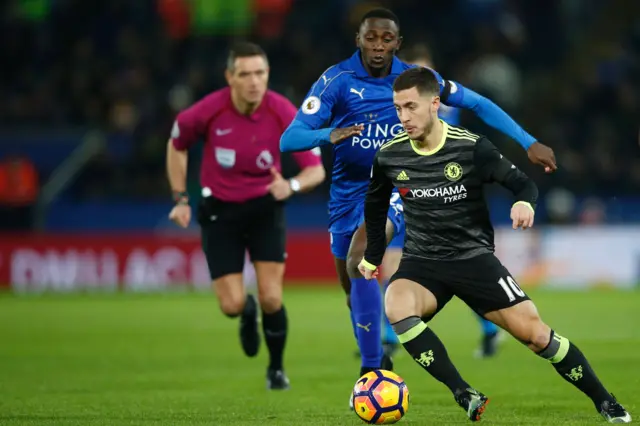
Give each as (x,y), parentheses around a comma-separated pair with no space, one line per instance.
(399,138)
(456,129)
(460,133)
(445,131)
(524,203)
(369,266)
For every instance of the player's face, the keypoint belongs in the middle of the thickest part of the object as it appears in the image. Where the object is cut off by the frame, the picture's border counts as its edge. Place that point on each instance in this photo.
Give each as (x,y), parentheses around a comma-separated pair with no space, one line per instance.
(249,78)
(378,40)
(416,112)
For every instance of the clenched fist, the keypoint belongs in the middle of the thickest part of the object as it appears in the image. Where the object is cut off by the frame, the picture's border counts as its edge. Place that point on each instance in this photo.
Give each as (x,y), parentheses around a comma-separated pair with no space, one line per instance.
(181,215)
(522,215)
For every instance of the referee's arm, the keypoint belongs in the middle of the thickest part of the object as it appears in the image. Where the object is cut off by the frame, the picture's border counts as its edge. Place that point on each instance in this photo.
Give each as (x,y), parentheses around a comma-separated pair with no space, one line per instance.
(376,207)
(494,167)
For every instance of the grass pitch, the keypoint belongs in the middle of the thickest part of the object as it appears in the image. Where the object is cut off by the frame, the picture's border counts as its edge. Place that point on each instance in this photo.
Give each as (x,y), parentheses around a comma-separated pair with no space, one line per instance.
(129,359)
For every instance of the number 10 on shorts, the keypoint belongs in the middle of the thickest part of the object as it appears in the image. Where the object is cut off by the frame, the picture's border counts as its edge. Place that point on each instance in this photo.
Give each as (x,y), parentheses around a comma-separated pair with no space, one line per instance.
(510,286)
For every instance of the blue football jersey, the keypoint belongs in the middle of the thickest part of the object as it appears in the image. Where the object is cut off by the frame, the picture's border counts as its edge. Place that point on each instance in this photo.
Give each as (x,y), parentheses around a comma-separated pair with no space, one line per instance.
(346,95)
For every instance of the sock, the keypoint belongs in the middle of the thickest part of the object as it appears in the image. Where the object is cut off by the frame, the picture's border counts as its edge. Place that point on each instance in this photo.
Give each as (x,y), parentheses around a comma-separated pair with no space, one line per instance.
(366,308)
(488,328)
(427,350)
(572,365)
(275,334)
(388,335)
(353,324)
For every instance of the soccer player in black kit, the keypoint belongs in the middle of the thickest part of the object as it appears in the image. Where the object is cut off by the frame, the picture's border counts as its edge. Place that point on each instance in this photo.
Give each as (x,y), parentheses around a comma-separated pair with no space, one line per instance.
(440,171)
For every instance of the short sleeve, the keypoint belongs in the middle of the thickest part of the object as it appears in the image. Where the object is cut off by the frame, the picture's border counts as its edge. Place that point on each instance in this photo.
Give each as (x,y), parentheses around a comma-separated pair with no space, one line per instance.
(309,158)
(190,125)
(318,106)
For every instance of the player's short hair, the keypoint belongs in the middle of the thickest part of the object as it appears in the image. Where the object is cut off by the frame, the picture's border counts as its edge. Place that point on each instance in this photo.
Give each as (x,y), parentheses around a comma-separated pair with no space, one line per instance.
(421,78)
(243,49)
(381,13)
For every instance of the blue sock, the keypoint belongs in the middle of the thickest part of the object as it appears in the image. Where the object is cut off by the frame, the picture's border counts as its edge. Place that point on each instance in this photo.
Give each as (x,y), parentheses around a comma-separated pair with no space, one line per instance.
(353,324)
(388,335)
(488,328)
(366,308)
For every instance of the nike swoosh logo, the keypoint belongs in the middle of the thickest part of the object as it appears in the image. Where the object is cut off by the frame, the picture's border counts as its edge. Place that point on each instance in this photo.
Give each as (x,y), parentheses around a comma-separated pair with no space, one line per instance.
(223,132)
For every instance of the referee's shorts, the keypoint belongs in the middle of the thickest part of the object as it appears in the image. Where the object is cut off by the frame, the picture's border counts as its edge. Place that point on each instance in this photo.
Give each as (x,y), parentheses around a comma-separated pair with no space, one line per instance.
(230,229)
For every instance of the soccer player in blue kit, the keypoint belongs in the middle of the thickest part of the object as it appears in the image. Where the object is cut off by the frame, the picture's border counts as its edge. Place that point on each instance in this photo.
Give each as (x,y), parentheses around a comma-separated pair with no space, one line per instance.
(351,107)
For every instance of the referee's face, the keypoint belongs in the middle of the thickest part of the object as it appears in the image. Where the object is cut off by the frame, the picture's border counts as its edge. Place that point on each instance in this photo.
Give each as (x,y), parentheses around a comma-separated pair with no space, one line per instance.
(416,112)
(249,78)
(378,41)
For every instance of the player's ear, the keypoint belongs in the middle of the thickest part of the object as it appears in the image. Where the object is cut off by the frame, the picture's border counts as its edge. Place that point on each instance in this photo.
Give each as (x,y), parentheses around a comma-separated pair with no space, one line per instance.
(358,40)
(435,103)
(399,43)
(228,76)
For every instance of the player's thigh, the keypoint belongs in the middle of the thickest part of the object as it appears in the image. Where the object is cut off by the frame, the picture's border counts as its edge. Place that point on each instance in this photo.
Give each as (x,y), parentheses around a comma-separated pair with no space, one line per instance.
(391,262)
(359,244)
(523,322)
(340,242)
(415,290)
(484,284)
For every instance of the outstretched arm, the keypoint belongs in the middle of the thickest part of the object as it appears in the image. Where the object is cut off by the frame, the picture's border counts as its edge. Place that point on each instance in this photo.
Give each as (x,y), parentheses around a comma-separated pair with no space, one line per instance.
(456,95)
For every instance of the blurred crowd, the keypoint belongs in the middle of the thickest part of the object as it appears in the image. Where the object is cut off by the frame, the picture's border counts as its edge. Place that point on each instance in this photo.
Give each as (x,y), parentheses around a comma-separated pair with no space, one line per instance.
(567,70)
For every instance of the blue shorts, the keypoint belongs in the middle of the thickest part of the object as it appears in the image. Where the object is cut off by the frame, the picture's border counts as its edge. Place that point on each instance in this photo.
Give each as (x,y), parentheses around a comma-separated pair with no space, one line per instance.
(340,241)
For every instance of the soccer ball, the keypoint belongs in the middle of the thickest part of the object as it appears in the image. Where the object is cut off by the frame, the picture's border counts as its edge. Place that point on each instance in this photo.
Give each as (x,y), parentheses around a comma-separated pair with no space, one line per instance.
(380,397)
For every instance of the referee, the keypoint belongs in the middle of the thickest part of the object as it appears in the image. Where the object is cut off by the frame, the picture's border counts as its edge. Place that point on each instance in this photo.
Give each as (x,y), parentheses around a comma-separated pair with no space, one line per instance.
(243,192)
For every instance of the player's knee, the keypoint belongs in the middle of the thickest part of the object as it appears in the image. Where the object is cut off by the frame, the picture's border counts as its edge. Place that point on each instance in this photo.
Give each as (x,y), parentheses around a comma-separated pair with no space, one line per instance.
(270,302)
(540,336)
(532,332)
(232,305)
(353,260)
(399,304)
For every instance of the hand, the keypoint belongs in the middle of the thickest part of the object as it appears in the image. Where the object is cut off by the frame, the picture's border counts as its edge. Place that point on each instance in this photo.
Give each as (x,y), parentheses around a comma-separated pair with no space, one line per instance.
(338,135)
(181,215)
(522,216)
(279,187)
(542,155)
(366,272)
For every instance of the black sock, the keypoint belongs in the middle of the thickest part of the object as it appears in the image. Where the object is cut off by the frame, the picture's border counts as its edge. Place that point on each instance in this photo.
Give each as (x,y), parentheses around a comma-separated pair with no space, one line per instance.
(428,351)
(572,365)
(275,333)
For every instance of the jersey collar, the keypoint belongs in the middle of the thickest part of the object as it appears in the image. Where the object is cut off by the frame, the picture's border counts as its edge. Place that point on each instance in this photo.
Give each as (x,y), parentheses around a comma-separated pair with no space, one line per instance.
(355,63)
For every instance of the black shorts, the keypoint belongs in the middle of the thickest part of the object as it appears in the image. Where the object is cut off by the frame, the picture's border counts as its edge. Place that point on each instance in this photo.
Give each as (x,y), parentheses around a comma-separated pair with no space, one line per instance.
(482,282)
(230,229)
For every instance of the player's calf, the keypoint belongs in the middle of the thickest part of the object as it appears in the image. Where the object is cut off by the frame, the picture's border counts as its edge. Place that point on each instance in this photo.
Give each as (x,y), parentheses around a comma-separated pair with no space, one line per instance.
(274,320)
(366,307)
(524,323)
(406,302)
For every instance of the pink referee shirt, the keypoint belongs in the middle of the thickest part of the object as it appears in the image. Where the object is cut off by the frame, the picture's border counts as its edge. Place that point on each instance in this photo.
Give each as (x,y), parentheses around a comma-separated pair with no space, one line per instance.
(239,150)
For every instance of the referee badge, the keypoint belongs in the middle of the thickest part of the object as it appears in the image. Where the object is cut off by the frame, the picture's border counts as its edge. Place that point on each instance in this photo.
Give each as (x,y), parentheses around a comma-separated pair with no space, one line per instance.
(453,171)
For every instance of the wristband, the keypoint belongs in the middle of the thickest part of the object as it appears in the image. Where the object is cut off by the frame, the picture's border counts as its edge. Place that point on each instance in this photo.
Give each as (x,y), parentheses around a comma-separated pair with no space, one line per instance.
(369,266)
(524,203)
